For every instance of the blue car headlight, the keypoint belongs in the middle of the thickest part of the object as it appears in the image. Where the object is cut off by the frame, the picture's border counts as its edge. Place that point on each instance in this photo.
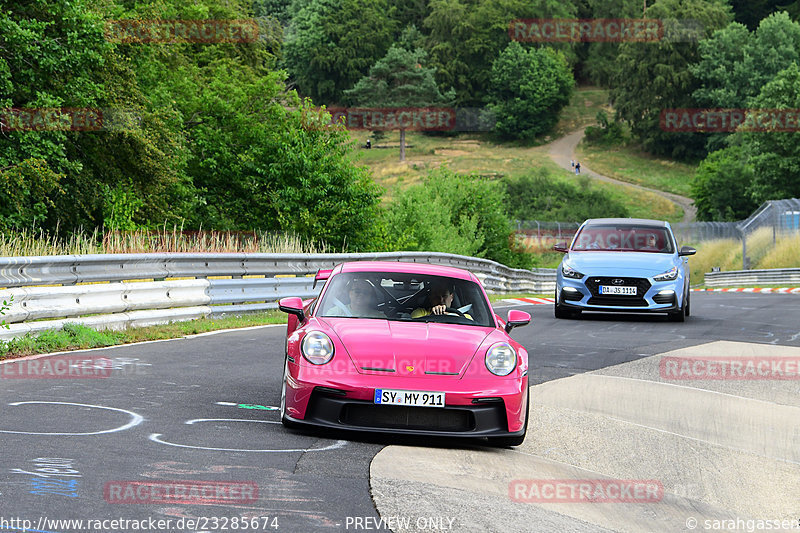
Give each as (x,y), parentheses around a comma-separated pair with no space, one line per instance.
(569,272)
(669,275)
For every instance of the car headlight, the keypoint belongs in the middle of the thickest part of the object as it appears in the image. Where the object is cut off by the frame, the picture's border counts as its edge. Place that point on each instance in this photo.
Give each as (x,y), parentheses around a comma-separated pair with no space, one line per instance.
(317,348)
(669,275)
(501,359)
(570,272)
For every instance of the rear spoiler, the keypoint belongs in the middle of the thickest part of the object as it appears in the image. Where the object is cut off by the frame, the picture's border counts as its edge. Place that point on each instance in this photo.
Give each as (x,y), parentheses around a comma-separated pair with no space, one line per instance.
(322,275)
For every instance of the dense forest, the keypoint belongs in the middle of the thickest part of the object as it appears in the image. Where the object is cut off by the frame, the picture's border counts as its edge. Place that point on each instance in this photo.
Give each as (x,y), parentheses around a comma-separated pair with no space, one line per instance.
(232,135)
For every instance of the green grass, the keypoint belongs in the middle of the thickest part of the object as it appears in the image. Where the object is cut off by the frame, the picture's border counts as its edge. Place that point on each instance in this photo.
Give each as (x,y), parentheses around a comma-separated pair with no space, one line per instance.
(497,297)
(627,163)
(473,154)
(642,204)
(78,337)
(582,110)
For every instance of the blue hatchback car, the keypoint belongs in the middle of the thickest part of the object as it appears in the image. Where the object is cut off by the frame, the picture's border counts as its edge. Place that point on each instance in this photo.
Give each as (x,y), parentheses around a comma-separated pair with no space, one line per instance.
(623,265)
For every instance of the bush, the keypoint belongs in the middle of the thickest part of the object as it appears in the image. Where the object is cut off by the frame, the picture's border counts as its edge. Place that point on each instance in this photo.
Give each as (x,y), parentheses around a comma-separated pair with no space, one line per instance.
(607,134)
(453,213)
(721,186)
(538,196)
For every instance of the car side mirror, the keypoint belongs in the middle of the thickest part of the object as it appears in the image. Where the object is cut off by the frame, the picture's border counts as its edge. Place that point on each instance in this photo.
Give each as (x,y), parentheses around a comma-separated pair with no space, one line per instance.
(687,250)
(561,247)
(517,318)
(293,306)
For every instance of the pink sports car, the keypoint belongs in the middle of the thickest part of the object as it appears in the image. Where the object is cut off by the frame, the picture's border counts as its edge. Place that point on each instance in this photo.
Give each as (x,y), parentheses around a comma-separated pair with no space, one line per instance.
(404,348)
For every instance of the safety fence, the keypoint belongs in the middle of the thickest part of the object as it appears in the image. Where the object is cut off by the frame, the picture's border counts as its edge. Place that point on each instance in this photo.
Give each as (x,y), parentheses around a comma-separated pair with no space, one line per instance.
(789,277)
(127,290)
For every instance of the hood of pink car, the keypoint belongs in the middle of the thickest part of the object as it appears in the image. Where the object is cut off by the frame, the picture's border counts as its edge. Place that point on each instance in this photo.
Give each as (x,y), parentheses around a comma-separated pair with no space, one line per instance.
(408,348)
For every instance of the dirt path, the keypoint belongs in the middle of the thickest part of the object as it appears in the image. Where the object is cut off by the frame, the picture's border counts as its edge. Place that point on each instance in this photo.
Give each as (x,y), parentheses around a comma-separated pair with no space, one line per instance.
(563,149)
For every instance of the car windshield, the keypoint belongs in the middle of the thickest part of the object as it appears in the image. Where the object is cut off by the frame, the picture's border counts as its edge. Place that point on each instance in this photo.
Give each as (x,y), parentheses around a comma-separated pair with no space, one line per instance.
(405,297)
(624,238)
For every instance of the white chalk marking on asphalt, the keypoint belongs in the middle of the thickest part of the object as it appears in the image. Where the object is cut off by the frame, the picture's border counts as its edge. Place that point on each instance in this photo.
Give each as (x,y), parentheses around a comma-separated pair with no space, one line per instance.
(156,437)
(227,403)
(135,420)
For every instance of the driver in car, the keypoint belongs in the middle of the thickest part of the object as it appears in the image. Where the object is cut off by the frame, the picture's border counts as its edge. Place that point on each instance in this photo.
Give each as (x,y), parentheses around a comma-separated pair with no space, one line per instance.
(441,299)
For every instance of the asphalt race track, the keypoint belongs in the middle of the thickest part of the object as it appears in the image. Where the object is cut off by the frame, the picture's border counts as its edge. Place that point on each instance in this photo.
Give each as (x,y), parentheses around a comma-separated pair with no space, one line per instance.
(202,409)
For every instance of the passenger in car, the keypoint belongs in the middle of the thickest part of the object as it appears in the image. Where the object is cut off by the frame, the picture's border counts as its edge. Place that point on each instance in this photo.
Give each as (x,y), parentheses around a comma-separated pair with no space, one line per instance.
(362,301)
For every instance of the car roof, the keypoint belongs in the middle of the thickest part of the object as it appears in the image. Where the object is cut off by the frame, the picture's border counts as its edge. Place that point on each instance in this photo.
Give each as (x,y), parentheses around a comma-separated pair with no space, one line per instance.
(633,221)
(411,268)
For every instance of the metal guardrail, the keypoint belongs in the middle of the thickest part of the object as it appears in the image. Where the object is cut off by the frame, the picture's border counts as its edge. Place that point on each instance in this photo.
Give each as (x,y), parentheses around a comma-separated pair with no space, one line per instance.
(753,277)
(102,290)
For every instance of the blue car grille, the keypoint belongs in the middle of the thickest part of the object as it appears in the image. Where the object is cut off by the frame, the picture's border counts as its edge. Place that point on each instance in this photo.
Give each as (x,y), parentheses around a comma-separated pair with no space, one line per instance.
(642,285)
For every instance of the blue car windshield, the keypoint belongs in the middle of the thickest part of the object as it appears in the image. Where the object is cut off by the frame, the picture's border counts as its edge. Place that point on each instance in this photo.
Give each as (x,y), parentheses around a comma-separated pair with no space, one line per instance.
(624,238)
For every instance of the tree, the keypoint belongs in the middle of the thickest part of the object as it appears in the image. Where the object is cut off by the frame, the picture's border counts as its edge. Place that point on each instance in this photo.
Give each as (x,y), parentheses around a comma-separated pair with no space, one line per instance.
(735,64)
(599,62)
(758,165)
(54,55)
(775,155)
(330,44)
(655,76)
(752,12)
(720,186)
(465,37)
(399,79)
(528,90)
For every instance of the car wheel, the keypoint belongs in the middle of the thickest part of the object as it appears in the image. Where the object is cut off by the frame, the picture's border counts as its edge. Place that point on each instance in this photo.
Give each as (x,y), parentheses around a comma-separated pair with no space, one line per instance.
(680,314)
(286,422)
(688,303)
(559,310)
(505,442)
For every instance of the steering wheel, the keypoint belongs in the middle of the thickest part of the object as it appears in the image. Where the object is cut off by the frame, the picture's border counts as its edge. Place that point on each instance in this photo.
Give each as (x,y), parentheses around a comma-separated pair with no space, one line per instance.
(454,311)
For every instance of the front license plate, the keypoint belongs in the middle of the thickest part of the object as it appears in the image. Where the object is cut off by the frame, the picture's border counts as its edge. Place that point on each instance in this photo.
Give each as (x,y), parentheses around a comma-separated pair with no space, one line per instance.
(612,289)
(409,397)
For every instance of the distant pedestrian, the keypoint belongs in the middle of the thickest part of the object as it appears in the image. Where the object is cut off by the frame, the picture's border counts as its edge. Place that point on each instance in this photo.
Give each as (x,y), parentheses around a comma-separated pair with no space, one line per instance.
(572,163)
(577,167)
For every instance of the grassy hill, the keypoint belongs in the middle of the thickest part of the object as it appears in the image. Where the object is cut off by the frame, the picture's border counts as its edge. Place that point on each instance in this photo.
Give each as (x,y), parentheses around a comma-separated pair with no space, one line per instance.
(479,153)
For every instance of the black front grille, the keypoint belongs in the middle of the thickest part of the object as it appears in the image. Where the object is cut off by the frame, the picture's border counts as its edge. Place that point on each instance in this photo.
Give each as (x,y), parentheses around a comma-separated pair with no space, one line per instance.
(593,283)
(421,418)
(618,301)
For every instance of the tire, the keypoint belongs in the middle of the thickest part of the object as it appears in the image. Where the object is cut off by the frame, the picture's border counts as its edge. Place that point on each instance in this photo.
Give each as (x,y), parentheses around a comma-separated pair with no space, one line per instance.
(285,421)
(688,303)
(559,311)
(505,442)
(681,314)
